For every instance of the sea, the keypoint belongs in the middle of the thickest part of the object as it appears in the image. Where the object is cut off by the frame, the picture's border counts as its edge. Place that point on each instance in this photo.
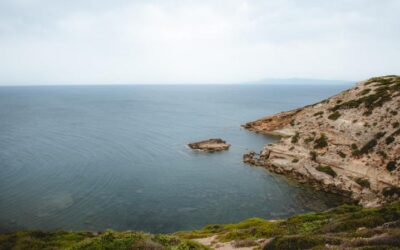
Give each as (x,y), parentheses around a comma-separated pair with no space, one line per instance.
(116,157)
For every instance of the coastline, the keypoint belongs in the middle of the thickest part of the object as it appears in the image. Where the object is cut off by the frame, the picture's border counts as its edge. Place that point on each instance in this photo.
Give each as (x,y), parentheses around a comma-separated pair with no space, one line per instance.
(319,143)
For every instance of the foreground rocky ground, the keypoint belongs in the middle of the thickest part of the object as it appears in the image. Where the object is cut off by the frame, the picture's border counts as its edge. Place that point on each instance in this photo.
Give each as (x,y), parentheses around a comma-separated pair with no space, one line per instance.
(348,144)
(344,227)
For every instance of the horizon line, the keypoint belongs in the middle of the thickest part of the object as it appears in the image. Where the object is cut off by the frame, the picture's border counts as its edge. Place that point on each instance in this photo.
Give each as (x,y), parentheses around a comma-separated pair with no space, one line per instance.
(264,81)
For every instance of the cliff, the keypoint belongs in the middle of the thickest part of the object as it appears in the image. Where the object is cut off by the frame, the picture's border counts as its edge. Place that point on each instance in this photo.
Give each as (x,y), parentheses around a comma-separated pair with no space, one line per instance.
(348,143)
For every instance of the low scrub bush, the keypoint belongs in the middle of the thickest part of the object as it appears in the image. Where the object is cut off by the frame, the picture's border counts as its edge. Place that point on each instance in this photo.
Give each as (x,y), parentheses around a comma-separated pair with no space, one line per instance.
(295,138)
(391,166)
(368,146)
(363,182)
(321,142)
(327,170)
(313,155)
(341,154)
(334,116)
(390,191)
(389,140)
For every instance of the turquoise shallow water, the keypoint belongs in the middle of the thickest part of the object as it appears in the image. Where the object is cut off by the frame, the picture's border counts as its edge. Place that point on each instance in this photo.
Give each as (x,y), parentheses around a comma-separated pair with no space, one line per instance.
(98,157)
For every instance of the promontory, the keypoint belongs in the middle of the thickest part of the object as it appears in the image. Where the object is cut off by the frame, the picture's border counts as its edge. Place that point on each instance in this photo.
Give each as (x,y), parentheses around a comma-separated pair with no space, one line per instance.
(347,144)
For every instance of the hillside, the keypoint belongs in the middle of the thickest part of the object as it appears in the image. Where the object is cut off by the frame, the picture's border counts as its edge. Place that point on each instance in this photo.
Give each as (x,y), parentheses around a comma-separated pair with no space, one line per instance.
(348,143)
(344,227)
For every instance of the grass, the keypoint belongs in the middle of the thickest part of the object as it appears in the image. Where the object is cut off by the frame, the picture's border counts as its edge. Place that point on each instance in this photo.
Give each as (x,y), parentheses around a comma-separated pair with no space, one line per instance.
(87,240)
(344,227)
(338,227)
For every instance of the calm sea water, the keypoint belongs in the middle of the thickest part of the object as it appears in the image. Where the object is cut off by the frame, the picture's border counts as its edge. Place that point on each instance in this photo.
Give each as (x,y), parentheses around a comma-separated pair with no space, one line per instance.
(98,157)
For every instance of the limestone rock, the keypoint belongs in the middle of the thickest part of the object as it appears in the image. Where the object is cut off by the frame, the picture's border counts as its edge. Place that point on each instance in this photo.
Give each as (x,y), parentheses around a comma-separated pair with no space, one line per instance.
(210,145)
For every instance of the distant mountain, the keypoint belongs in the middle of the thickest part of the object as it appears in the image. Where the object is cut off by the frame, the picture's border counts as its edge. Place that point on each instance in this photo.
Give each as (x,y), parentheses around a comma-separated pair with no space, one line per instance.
(300,81)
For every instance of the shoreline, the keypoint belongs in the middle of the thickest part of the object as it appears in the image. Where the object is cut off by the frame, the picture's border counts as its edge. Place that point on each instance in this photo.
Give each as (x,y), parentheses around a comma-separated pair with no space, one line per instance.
(318,143)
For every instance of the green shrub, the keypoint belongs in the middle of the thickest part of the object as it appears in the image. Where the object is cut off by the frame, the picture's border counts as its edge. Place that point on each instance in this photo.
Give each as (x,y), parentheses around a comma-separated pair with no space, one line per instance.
(321,142)
(380,135)
(147,244)
(320,113)
(383,154)
(395,124)
(308,140)
(296,242)
(327,170)
(363,182)
(368,146)
(391,166)
(354,150)
(381,95)
(295,160)
(396,133)
(365,91)
(334,116)
(354,221)
(313,155)
(295,138)
(166,240)
(341,154)
(389,140)
(390,191)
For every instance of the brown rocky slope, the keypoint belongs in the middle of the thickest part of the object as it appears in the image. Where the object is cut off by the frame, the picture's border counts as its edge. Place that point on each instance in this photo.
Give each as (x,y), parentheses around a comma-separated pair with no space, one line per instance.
(348,143)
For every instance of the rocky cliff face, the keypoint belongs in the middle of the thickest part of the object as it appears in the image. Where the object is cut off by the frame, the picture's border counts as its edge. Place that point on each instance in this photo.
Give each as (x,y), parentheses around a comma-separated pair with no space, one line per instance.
(348,144)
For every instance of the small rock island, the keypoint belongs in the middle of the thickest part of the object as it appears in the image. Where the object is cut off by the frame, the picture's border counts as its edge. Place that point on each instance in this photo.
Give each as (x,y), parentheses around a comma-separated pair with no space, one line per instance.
(210,145)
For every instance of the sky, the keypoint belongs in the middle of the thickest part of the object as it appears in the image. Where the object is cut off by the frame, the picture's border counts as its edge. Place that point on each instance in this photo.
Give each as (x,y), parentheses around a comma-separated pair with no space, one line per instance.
(204,41)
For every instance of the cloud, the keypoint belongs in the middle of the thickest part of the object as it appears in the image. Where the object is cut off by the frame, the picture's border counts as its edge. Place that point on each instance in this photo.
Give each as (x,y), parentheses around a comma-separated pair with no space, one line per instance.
(73,42)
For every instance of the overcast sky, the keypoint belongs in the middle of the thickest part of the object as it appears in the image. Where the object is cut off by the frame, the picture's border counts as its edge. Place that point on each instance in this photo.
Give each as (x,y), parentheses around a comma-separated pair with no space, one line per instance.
(177,41)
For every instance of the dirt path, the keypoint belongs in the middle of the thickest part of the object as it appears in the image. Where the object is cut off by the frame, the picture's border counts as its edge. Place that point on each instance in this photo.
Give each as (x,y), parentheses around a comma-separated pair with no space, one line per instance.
(213,243)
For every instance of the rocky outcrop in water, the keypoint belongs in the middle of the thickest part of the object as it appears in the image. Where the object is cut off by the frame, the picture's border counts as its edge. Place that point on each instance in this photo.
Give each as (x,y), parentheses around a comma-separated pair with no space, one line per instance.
(347,144)
(210,145)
